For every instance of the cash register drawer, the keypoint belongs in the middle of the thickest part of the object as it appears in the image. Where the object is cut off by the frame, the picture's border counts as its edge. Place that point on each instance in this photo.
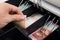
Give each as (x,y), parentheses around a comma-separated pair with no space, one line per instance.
(12,32)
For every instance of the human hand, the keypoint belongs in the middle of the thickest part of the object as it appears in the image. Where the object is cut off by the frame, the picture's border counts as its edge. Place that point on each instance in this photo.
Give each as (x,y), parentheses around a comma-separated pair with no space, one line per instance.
(6,17)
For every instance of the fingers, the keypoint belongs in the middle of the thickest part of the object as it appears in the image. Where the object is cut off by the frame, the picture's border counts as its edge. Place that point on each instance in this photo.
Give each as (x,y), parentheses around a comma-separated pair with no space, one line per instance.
(17,17)
(15,9)
(10,7)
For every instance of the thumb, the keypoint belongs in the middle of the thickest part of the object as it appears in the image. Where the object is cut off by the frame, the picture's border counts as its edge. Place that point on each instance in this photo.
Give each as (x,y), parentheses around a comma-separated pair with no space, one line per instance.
(17,17)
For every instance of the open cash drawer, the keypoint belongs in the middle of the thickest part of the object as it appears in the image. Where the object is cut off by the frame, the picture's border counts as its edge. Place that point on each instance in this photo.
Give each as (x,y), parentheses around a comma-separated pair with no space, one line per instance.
(13,32)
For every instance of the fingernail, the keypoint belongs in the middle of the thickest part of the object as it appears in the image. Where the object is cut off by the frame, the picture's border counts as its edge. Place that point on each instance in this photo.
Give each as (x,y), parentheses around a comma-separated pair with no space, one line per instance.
(23,17)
